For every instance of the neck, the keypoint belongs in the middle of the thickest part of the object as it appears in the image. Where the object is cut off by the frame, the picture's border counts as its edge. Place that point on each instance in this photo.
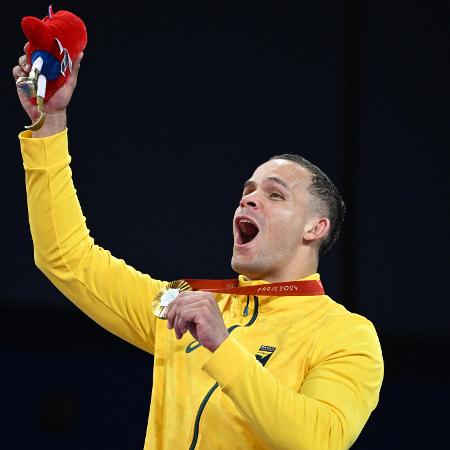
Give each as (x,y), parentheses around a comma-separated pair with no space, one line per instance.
(296,270)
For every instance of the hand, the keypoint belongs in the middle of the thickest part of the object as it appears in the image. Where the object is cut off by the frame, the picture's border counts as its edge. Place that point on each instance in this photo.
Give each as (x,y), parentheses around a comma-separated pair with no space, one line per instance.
(55,107)
(198,313)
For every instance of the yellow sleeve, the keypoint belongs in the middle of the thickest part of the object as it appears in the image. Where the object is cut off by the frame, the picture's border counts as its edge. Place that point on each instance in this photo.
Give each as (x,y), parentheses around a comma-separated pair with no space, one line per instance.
(334,402)
(109,291)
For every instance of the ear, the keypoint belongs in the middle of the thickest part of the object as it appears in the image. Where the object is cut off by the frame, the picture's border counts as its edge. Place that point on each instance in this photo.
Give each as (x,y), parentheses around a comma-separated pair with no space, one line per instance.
(316,229)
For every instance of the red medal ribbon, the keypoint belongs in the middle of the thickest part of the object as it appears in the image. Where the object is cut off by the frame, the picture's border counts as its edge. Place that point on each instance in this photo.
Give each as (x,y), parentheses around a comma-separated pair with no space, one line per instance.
(285,288)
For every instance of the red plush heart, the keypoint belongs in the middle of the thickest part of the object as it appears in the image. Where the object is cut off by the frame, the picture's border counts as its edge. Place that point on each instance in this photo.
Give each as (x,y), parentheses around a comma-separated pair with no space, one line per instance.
(63,26)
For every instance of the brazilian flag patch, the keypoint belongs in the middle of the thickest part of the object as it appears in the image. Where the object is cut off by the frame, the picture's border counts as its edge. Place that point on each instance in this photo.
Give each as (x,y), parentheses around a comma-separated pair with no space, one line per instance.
(264,353)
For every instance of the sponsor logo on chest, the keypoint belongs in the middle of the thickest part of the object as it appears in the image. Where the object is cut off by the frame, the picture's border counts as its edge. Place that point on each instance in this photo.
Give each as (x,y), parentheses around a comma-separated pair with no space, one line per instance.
(264,353)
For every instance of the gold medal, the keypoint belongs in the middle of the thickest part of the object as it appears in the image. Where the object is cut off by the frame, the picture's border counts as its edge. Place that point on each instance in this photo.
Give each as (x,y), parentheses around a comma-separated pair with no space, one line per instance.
(34,86)
(167,295)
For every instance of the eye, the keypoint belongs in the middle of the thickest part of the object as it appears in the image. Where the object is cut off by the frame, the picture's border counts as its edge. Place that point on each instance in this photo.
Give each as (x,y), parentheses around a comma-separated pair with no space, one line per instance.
(276,195)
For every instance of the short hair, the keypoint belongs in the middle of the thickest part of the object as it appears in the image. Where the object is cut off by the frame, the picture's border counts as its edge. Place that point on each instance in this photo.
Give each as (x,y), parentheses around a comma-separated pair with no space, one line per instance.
(327,198)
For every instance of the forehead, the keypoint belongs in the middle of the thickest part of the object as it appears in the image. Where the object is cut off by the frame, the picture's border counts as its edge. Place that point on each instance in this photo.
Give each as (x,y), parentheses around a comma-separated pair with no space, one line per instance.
(291,173)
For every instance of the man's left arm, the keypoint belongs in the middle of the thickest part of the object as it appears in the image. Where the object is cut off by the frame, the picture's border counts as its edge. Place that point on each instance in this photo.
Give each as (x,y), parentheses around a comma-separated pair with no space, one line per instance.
(335,400)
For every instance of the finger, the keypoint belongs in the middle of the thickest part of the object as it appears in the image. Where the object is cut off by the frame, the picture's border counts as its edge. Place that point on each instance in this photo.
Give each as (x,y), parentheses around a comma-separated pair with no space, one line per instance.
(193,330)
(179,325)
(172,309)
(186,318)
(72,81)
(18,72)
(76,65)
(198,299)
(25,47)
(176,327)
(171,314)
(177,321)
(77,62)
(23,62)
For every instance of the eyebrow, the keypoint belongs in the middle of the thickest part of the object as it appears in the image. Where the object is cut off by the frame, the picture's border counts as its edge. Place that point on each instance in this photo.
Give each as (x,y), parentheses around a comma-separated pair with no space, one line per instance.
(274,179)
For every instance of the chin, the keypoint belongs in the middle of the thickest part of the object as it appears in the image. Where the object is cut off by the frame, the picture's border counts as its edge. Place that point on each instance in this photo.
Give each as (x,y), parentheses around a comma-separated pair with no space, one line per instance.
(248,269)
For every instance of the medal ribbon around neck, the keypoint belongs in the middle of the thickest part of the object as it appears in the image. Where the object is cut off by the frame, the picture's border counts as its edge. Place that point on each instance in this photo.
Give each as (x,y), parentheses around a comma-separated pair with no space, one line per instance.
(285,288)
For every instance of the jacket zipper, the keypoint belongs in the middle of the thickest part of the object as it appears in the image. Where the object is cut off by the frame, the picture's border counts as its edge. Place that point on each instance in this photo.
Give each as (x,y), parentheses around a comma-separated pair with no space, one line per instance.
(199,414)
(211,391)
(245,312)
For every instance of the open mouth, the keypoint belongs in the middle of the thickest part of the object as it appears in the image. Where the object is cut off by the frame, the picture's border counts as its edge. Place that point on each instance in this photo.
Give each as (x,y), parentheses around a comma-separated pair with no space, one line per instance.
(247,230)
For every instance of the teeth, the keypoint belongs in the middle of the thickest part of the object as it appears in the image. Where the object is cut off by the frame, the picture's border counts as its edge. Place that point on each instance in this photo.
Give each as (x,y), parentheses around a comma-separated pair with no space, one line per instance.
(246,221)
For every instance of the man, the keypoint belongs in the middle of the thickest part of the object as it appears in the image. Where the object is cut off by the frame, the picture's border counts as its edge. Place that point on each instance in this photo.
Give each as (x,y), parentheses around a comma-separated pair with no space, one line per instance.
(244,367)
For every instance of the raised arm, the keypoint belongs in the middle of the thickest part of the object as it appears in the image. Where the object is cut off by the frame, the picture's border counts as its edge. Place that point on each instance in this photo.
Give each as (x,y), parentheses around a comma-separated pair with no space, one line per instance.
(112,293)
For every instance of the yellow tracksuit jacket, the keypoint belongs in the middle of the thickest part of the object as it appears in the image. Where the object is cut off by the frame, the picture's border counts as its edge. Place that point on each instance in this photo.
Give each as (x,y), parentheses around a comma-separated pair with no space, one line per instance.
(295,373)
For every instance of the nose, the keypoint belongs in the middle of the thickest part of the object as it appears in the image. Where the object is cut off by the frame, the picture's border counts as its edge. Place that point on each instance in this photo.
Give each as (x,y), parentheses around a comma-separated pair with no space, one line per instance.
(250,201)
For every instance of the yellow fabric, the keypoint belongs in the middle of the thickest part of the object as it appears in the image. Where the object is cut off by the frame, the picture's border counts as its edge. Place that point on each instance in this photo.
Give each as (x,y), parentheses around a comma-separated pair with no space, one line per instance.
(316,390)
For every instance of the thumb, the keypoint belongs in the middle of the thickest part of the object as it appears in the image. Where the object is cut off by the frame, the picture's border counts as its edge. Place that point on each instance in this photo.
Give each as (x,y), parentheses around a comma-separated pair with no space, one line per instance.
(76,64)
(75,69)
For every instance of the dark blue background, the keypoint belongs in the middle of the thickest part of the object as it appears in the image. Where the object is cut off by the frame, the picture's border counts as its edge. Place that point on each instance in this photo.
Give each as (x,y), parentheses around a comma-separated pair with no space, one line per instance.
(177,103)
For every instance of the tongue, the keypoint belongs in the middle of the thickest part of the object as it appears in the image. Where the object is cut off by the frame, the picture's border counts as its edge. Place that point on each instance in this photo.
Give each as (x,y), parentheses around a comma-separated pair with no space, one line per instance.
(248,229)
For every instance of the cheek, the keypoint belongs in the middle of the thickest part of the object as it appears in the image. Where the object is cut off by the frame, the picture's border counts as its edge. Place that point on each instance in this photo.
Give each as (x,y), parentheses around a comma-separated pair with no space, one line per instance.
(287,226)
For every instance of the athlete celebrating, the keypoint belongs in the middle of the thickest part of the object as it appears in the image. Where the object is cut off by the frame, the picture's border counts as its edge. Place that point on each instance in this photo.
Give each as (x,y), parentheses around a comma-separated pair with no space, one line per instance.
(266,361)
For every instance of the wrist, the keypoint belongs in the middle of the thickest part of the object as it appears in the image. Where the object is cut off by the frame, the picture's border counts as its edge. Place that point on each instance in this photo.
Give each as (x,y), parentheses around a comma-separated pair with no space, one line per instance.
(219,341)
(54,124)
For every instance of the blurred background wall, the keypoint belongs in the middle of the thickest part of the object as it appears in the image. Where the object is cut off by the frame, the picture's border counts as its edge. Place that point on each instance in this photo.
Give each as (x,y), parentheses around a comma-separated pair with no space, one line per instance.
(177,103)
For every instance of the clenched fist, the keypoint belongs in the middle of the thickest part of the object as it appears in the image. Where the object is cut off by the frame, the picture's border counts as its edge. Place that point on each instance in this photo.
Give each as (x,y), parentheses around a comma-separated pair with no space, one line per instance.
(55,107)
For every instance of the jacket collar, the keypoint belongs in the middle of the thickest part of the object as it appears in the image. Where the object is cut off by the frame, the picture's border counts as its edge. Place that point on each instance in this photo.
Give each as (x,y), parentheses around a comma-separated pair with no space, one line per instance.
(244,281)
